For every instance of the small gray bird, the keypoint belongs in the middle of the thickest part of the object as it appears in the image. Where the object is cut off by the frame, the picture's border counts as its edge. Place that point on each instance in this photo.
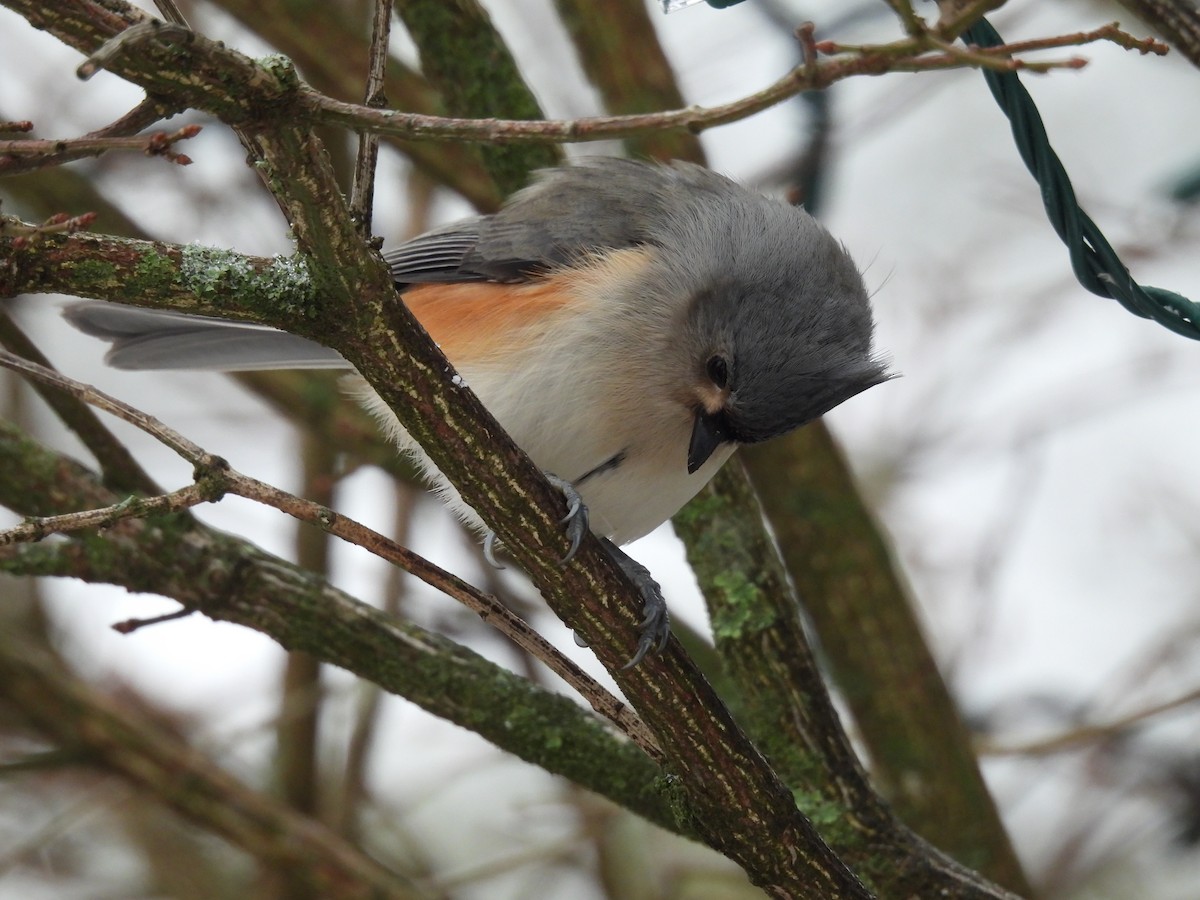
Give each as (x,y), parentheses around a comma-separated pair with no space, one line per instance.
(629,324)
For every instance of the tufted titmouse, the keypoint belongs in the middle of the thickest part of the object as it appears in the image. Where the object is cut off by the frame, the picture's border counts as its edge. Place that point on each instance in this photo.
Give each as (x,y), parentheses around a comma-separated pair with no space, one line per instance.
(629,324)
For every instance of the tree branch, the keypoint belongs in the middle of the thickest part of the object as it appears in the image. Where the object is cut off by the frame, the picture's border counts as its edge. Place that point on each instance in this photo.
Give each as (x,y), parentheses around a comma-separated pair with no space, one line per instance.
(42,153)
(922,754)
(785,705)
(1114,730)
(901,56)
(230,580)
(362,193)
(141,116)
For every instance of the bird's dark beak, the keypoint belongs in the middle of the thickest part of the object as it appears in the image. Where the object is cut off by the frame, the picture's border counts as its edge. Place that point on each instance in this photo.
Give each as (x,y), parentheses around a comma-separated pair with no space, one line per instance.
(708,433)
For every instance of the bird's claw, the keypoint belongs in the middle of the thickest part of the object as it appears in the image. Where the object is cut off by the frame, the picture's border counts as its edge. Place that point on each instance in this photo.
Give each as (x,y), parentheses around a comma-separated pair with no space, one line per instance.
(576,518)
(576,521)
(489,550)
(655,627)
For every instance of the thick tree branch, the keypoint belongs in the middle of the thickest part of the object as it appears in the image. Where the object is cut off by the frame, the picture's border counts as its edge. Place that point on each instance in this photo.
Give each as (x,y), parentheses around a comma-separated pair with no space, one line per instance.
(845,577)
(156,274)
(785,705)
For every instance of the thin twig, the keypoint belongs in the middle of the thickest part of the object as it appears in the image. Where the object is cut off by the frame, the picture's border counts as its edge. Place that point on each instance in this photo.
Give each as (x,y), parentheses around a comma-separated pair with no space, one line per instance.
(134,34)
(145,114)
(1002,58)
(59,223)
(362,194)
(1111,32)
(214,478)
(35,528)
(158,143)
(129,626)
(909,55)
(1087,734)
(958,15)
(913,23)
(988,58)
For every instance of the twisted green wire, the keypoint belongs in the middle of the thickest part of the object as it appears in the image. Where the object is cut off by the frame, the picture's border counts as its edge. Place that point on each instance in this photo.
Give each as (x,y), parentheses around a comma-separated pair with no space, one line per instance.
(1096,264)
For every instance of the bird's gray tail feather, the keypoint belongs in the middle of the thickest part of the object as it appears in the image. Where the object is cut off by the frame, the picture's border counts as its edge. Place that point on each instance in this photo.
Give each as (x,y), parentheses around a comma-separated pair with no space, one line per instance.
(158,339)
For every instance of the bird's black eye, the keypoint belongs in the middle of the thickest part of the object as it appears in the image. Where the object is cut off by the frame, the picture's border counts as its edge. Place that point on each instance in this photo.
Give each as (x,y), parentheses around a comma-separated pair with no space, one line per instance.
(717,369)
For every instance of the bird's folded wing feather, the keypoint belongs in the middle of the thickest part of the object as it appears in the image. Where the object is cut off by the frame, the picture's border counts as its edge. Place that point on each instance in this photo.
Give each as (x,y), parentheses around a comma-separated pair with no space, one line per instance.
(564,217)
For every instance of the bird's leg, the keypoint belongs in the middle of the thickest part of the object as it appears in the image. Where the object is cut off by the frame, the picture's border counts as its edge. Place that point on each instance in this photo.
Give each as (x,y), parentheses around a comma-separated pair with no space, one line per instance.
(576,521)
(655,626)
(656,622)
(576,518)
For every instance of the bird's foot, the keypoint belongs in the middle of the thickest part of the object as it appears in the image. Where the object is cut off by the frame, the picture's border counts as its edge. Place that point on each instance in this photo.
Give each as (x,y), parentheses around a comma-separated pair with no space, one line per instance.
(655,626)
(576,518)
(489,550)
(576,522)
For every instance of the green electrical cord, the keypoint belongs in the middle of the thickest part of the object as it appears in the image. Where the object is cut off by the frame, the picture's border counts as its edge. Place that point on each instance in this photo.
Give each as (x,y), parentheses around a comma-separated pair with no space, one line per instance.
(1095,262)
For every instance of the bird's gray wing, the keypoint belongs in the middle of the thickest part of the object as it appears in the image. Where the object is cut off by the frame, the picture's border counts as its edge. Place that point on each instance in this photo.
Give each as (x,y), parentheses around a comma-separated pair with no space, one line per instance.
(436,256)
(565,215)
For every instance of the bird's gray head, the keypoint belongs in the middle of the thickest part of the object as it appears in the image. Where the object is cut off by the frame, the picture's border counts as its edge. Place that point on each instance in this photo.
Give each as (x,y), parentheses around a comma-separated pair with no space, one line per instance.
(778,330)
